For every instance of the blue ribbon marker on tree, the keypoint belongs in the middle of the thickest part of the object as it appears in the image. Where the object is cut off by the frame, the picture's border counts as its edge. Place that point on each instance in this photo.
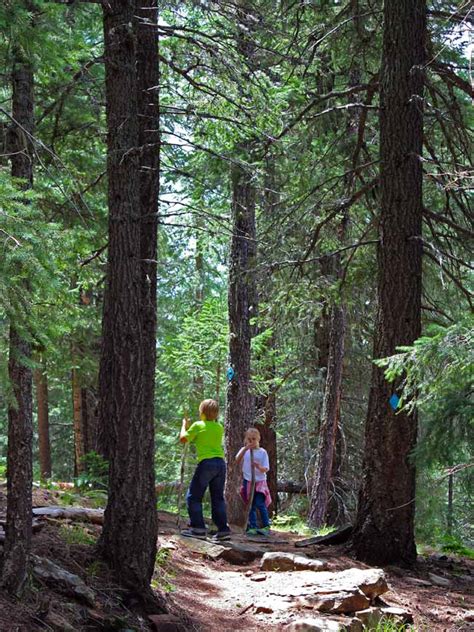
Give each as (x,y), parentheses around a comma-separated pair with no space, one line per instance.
(230,373)
(394,401)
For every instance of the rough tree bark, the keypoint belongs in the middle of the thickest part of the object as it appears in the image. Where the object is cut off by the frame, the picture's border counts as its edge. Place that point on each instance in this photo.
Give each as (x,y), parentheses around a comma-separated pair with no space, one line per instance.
(42,403)
(266,408)
(330,420)
(20,422)
(240,408)
(384,531)
(79,438)
(126,378)
(89,418)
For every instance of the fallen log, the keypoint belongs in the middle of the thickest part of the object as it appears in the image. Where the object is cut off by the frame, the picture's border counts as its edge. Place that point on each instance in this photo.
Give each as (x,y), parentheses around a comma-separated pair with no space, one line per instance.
(76,514)
(291,487)
(286,487)
(339,536)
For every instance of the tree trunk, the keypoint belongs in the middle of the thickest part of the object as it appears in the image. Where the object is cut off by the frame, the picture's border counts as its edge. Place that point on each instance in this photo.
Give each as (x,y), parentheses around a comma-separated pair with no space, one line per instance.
(79,442)
(266,404)
(89,418)
(240,409)
(330,420)
(44,446)
(20,418)
(148,79)
(449,509)
(384,531)
(126,377)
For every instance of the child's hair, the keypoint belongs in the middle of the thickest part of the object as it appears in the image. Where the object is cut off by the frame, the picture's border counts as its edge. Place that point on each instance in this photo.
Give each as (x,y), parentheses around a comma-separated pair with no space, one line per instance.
(252,432)
(209,408)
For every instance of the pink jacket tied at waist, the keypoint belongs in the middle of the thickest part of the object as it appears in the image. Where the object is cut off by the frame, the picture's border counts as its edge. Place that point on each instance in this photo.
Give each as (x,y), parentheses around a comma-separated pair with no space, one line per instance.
(260,486)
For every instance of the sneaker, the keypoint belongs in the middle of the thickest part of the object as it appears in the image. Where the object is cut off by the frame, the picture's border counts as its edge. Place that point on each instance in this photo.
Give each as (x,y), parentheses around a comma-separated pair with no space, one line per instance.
(221,536)
(194,533)
(263,531)
(251,531)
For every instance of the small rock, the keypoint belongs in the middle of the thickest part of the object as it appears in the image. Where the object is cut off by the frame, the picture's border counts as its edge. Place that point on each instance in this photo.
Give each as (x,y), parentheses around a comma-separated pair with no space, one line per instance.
(417,582)
(468,616)
(278,561)
(439,581)
(392,612)
(258,577)
(369,617)
(318,624)
(248,573)
(263,608)
(341,603)
(168,546)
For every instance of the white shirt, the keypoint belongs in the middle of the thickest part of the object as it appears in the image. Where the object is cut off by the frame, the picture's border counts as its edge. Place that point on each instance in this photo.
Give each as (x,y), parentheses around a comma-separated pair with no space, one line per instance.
(260,456)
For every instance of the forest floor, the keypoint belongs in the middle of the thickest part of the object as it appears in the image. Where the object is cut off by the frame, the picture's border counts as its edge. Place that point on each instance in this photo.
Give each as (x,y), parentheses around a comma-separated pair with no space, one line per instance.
(214,595)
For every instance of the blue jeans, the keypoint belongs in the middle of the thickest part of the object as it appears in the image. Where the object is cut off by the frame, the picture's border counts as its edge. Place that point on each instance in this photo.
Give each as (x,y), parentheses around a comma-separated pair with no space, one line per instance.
(209,473)
(258,503)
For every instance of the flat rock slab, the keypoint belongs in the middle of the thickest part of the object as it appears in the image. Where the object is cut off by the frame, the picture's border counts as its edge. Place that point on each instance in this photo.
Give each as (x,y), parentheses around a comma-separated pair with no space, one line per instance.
(203,547)
(371,582)
(340,592)
(339,603)
(439,581)
(277,561)
(232,552)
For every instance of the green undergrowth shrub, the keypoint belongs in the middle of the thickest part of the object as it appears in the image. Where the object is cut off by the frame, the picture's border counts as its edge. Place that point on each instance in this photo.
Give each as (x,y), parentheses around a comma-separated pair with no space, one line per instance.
(76,534)
(163,575)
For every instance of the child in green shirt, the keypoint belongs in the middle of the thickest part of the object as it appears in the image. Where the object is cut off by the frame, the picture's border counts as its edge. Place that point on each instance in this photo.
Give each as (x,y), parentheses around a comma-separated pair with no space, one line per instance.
(206,435)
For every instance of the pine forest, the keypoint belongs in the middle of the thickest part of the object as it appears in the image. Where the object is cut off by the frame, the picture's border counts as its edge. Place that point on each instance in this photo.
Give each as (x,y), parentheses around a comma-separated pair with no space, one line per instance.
(236,315)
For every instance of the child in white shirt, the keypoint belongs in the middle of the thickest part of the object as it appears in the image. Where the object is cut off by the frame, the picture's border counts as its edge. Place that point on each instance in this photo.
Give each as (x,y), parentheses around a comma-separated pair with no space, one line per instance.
(251,451)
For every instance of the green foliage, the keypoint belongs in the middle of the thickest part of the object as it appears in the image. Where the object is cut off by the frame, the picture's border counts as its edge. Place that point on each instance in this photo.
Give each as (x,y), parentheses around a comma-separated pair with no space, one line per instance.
(96,472)
(389,625)
(163,574)
(76,534)
(451,544)
(297,523)
(436,375)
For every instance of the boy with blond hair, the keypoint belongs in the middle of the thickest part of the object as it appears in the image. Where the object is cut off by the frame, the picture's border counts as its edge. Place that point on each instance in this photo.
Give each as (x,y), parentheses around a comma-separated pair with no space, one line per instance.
(206,434)
(251,454)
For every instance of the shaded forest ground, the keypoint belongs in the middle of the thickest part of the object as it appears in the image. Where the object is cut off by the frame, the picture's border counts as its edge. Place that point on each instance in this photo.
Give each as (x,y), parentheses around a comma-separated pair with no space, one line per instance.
(208,595)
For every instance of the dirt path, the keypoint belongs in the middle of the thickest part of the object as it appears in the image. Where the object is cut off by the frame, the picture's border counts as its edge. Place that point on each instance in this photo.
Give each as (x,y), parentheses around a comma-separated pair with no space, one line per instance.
(222,597)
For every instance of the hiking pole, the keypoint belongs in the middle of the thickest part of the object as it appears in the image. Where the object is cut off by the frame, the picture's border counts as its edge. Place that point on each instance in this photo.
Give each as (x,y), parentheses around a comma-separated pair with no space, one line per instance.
(252,491)
(182,470)
(181,482)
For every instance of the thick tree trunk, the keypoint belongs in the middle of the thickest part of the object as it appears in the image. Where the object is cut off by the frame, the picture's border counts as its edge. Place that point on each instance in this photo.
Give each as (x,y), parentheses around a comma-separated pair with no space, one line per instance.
(42,402)
(148,79)
(20,419)
(126,378)
(384,531)
(240,409)
(330,420)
